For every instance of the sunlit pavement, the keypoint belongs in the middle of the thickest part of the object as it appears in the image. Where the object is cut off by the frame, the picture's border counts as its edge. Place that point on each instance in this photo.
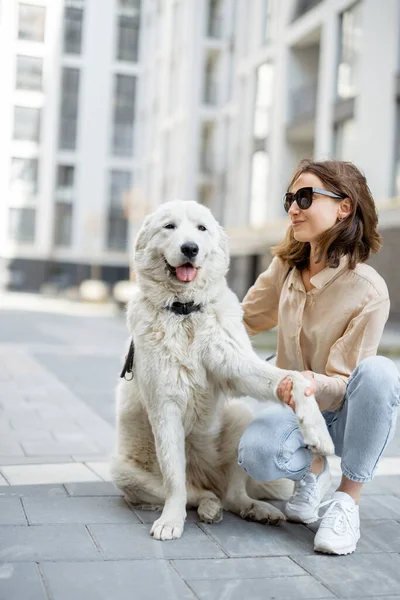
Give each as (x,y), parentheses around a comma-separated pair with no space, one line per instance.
(67,534)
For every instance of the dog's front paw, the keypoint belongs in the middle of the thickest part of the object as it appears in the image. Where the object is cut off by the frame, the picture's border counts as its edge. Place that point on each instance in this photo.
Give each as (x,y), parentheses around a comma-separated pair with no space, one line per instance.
(317,439)
(167,529)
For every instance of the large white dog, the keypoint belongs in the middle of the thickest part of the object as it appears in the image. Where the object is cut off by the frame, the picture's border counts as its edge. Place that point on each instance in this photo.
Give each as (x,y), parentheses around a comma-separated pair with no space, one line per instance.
(178,431)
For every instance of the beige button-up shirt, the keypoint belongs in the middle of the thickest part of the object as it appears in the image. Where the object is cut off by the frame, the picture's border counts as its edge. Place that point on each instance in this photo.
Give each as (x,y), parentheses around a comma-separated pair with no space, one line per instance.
(328,330)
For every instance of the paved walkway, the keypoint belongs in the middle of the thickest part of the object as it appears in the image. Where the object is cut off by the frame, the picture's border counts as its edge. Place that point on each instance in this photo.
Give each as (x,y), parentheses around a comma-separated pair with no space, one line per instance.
(65,532)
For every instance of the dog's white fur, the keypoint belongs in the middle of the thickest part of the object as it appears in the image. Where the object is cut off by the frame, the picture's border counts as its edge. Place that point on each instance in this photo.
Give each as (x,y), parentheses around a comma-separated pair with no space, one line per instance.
(178,432)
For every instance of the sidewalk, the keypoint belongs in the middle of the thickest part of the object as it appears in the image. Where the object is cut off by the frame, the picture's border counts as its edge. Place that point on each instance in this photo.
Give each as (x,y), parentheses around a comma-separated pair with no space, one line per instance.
(67,534)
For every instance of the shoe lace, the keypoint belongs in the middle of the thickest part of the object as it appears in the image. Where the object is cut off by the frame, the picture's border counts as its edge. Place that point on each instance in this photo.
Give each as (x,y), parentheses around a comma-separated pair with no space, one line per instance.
(304,490)
(337,516)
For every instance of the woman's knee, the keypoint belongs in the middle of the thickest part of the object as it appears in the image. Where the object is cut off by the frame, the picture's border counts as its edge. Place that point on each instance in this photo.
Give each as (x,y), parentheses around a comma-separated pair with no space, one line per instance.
(378,379)
(267,447)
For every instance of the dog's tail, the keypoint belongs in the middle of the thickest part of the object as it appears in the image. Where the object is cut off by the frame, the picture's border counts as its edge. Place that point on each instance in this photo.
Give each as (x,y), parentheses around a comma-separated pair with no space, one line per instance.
(270,490)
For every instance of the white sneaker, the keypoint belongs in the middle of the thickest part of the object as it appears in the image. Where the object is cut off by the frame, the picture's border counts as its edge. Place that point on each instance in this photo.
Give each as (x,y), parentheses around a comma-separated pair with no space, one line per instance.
(339,530)
(308,493)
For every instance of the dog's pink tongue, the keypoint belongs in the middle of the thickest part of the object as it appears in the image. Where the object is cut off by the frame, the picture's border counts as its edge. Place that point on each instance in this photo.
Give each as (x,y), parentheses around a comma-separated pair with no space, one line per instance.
(186,273)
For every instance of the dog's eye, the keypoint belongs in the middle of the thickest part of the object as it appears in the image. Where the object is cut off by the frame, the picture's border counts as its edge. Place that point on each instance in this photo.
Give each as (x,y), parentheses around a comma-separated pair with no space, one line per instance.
(170,226)
(201,228)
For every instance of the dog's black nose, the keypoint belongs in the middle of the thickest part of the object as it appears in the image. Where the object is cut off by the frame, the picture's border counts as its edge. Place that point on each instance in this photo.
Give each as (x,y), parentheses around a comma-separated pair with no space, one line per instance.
(190,249)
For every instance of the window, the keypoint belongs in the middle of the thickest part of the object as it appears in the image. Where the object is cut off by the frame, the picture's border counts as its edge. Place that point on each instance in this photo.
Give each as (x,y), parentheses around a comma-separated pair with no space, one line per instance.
(21,225)
(63,224)
(210,81)
(65,183)
(29,73)
(31,22)
(266,21)
(397,155)
(124,109)
(345,140)
(263,101)
(128,30)
(64,196)
(350,52)
(69,108)
(259,188)
(26,123)
(214,26)
(73,21)
(117,226)
(24,177)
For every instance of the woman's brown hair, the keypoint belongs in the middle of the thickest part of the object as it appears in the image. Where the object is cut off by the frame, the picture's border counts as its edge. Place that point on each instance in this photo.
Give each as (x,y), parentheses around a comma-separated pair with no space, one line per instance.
(356,235)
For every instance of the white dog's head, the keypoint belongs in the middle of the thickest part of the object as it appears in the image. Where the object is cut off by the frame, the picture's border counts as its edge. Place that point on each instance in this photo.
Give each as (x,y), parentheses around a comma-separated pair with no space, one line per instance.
(183,247)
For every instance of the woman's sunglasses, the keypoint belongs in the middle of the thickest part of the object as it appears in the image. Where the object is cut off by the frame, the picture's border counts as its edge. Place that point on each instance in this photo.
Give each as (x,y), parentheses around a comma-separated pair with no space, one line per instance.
(304,197)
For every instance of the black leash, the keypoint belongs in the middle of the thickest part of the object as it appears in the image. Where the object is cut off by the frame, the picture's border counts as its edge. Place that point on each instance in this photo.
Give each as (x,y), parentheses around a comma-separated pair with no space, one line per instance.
(179,308)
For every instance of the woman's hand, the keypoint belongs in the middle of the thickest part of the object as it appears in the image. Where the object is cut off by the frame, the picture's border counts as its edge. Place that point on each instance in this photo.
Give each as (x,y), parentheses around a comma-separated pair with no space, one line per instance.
(285,388)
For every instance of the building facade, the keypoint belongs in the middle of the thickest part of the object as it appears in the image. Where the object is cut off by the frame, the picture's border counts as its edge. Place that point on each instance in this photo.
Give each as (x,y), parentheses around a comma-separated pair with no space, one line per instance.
(111,107)
(69,85)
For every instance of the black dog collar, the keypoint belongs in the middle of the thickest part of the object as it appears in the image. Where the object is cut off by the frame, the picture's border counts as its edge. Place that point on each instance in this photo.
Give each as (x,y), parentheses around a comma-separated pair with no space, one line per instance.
(179,308)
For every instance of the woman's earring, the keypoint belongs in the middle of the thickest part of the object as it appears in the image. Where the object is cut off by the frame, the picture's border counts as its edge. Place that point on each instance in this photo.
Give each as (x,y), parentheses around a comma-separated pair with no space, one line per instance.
(340,217)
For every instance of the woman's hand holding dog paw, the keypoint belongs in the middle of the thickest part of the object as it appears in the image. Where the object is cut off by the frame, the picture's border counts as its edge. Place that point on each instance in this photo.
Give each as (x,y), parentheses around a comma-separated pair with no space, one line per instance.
(286,386)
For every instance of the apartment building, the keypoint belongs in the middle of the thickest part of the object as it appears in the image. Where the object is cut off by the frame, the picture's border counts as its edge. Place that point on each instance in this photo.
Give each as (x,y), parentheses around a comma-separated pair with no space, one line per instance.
(67,162)
(236,92)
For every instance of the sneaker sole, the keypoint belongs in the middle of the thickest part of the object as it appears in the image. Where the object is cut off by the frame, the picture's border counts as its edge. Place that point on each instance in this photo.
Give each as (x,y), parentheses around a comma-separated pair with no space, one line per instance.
(294,519)
(340,552)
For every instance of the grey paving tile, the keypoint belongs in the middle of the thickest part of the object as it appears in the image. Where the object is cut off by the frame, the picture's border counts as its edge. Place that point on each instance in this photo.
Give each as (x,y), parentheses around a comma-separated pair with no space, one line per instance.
(46,542)
(135,542)
(238,568)
(261,589)
(96,488)
(241,538)
(39,447)
(357,575)
(380,507)
(379,536)
(10,448)
(21,581)
(144,580)
(78,510)
(33,490)
(149,516)
(33,460)
(11,512)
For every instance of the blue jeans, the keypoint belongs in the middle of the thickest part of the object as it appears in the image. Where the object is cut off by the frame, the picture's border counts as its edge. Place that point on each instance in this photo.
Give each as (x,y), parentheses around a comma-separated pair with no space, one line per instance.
(272,446)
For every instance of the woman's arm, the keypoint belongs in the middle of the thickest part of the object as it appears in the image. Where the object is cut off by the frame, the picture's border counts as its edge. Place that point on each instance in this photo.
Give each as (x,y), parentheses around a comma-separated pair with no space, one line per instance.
(360,340)
(260,305)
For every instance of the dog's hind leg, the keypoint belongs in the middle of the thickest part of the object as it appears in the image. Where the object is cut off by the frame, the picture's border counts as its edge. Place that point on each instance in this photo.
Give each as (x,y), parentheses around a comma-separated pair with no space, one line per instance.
(237,500)
(139,486)
(146,489)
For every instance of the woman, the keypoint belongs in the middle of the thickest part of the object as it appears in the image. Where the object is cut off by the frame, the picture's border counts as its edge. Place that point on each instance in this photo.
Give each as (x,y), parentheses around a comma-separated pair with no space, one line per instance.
(331,309)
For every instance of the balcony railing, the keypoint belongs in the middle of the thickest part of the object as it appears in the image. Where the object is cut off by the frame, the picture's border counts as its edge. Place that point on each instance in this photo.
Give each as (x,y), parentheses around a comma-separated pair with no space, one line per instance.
(302,103)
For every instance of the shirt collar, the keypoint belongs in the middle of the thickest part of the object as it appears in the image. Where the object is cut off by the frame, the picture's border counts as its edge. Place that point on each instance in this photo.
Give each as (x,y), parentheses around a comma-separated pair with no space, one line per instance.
(321,279)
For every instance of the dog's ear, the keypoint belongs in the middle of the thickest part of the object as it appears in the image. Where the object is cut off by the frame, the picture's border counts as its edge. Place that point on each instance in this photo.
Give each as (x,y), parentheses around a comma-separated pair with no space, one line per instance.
(141,238)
